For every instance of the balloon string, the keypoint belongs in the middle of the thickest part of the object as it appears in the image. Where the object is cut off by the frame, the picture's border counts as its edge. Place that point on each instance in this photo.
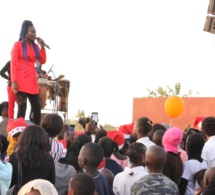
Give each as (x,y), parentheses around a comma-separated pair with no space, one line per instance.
(170,124)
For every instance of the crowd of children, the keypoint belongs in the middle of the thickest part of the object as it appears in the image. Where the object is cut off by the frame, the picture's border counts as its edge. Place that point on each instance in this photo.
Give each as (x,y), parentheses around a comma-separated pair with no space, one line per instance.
(135,159)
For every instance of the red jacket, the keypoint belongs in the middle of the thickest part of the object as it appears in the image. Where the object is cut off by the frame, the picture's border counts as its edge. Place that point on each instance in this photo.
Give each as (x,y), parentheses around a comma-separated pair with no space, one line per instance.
(23,70)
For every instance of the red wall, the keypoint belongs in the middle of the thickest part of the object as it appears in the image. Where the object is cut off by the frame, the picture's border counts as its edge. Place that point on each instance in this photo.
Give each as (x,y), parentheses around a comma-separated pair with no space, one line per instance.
(153,108)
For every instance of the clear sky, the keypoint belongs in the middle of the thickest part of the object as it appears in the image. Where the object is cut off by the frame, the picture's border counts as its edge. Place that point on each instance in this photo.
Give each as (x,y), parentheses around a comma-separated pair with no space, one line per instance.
(112,51)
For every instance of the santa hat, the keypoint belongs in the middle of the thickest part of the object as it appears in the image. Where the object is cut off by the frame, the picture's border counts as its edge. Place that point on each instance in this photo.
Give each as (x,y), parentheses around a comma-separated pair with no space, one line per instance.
(126,130)
(198,121)
(101,165)
(117,136)
(15,126)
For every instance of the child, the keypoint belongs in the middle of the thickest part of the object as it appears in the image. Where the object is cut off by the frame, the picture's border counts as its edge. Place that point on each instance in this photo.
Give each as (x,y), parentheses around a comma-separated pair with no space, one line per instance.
(142,127)
(63,174)
(53,124)
(124,180)
(14,128)
(82,184)
(89,158)
(109,146)
(118,137)
(195,143)
(198,177)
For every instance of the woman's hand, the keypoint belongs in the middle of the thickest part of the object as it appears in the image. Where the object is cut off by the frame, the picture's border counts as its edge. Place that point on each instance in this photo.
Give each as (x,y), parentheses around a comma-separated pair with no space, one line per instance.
(14,87)
(90,127)
(40,42)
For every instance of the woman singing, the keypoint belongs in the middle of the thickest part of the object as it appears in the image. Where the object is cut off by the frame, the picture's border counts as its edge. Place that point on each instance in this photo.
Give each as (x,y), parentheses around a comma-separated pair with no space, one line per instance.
(25,54)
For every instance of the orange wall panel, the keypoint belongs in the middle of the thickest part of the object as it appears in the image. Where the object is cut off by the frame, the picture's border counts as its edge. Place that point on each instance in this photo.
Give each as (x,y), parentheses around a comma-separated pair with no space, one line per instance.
(154,109)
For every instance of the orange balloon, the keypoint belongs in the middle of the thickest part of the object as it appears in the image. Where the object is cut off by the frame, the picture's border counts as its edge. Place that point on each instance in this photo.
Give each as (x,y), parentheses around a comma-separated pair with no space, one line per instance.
(174,106)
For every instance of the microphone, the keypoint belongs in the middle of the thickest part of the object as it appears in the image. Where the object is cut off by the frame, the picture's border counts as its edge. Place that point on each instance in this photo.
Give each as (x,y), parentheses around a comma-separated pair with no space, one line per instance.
(50,69)
(43,43)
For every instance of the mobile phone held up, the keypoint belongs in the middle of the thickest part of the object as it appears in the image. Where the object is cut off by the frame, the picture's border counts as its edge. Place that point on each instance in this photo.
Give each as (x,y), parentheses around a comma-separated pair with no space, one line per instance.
(71,130)
(95,118)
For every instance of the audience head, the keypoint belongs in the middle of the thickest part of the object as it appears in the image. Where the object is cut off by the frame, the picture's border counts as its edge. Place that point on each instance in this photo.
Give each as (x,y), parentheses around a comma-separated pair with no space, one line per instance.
(108,146)
(77,144)
(208,126)
(132,139)
(118,137)
(186,133)
(100,133)
(155,159)
(91,155)
(142,127)
(32,143)
(172,139)
(4,144)
(210,190)
(124,150)
(156,127)
(209,173)
(109,174)
(38,187)
(136,153)
(157,137)
(199,176)
(53,124)
(15,127)
(81,184)
(194,146)
(4,109)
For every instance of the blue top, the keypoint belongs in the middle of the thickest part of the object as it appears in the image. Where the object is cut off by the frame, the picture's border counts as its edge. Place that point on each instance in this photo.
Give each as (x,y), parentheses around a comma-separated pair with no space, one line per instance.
(5,176)
(113,166)
(102,185)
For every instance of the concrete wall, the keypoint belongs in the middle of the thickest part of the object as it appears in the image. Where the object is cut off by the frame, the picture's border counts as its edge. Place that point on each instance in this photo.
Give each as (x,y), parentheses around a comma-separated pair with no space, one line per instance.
(154,109)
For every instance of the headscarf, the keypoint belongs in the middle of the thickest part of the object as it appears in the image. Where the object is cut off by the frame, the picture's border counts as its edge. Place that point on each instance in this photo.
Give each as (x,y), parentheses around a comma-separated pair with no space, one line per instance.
(43,186)
(171,139)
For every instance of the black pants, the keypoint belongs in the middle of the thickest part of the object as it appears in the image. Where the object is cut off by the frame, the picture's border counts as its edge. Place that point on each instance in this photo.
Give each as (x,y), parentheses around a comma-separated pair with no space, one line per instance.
(35,105)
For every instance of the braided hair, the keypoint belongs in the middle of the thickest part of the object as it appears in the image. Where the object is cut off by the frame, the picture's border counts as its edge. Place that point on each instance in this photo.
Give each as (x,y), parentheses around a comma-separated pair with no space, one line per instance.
(145,125)
(186,133)
(24,29)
